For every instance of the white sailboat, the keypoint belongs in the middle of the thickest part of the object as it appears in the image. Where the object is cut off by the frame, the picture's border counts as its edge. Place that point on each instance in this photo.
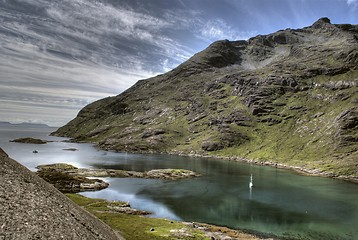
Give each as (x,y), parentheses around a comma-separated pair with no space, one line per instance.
(250,183)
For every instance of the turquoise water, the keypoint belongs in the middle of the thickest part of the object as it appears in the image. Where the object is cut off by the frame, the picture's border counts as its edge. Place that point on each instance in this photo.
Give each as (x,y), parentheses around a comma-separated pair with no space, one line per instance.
(281,202)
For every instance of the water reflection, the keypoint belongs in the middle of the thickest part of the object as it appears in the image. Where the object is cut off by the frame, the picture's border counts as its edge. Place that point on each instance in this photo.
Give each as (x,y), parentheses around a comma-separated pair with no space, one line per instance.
(129,190)
(280,202)
(250,193)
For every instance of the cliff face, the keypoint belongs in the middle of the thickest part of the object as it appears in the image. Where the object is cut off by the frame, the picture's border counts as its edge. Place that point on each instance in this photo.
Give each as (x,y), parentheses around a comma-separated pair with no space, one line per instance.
(33,209)
(289,97)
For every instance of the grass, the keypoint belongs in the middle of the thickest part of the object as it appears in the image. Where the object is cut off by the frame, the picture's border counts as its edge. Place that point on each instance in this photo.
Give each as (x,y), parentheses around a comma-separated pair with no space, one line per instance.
(308,137)
(135,227)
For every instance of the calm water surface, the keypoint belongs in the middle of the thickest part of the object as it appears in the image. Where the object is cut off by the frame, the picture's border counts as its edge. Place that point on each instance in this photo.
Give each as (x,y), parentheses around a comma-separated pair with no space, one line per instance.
(280,203)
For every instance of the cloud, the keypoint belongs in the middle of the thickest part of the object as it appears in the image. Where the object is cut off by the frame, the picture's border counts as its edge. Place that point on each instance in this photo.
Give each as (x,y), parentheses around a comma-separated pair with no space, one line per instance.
(205,27)
(104,18)
(218,29)
(42,82)
(352,3)
(62,59)
(64,54)
(96,31)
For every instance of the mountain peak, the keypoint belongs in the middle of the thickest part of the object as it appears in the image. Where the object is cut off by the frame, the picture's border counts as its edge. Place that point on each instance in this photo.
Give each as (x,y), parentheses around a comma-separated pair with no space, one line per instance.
(321,22)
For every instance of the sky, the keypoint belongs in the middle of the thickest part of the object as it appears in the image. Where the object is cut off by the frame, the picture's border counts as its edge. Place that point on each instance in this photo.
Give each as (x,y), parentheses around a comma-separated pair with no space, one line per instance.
(56,56)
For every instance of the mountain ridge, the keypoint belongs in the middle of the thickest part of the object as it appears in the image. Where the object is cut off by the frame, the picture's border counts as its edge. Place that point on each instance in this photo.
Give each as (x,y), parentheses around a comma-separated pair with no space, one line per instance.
(23,124)
(289,97)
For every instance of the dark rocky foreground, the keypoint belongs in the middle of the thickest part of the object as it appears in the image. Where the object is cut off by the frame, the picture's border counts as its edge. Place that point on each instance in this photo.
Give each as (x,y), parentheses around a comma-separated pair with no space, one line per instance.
(31,208)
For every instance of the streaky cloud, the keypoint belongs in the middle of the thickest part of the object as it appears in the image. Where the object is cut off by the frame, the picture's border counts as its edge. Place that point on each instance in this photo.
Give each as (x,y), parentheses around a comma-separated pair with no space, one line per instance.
(73,52)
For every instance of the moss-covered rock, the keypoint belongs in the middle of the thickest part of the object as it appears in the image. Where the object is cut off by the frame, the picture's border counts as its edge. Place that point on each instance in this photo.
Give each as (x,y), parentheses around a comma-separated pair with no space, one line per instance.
(63,177)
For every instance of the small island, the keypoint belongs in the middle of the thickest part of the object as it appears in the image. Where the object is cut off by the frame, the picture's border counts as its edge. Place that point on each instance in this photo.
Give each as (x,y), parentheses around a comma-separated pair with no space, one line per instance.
(70,149)
(30,140)
(70,179)
(62,178)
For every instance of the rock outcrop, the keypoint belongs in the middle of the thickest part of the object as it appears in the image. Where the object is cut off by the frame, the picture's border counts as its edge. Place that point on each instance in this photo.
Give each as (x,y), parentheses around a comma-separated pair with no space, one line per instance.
(285,97)
(29,140)
(64,178)
(68,178)
(33,209)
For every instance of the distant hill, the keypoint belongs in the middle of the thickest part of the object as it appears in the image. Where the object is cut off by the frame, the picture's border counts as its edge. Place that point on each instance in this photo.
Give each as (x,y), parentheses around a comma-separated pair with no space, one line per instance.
(36,125)
(288,98)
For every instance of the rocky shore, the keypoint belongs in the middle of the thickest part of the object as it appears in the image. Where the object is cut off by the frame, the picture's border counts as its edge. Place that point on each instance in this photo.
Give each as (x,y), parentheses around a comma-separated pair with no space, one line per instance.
(298,169)
(70,179)
(302,170)
(61,176)
(169,174)
(305,171)
(113,212)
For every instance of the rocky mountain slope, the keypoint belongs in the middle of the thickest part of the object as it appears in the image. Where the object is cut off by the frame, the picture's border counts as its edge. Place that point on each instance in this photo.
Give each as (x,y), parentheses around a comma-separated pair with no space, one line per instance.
(33,209)
(288,97)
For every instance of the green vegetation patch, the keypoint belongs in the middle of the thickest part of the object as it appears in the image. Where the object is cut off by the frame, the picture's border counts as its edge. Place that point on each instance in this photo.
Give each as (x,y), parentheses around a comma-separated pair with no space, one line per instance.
(135,227)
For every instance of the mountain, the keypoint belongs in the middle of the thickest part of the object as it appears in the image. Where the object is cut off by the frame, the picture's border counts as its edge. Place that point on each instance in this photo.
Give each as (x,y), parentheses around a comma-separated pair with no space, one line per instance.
(37,125)
(5,124)
(289,97)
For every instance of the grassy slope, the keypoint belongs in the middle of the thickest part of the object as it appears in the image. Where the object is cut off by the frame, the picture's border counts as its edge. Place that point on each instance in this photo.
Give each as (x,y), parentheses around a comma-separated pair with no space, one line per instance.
(306,138)
(136,227)
(185,101)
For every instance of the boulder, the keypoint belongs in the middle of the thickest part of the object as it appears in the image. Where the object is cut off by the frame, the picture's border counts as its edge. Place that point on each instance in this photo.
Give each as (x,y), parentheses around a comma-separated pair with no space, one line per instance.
(152,132)
(211,146)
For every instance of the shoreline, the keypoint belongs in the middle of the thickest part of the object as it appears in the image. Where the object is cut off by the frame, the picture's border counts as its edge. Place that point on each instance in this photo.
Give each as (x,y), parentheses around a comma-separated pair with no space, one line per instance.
(297,169)
(210,230)
(173,228)
(70,179)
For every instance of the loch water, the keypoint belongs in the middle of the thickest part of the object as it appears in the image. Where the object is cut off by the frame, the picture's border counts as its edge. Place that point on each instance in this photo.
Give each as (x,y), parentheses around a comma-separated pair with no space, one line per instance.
(281,202)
